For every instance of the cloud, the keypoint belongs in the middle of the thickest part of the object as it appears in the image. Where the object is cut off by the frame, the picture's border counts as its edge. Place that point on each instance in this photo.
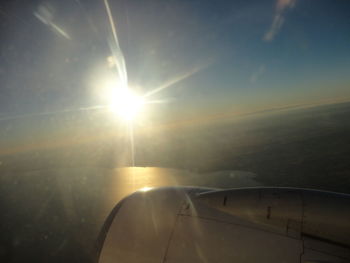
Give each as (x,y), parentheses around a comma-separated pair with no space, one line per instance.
(282,6)
(257,74)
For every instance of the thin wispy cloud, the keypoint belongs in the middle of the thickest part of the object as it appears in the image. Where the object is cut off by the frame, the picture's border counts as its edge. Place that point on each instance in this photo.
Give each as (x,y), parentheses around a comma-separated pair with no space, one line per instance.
(257,74)
(282,6)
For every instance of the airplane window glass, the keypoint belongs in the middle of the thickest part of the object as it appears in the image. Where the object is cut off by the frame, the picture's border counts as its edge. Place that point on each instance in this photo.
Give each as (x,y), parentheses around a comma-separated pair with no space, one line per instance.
(99,99)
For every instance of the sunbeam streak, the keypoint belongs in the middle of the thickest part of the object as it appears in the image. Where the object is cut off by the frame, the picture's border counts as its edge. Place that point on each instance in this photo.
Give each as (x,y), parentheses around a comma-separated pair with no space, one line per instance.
(46,15)
(123,101)
(116,50)
(177,79)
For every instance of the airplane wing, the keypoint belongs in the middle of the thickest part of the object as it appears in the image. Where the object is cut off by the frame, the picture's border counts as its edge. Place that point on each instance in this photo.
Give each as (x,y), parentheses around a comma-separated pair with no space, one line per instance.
(245,225)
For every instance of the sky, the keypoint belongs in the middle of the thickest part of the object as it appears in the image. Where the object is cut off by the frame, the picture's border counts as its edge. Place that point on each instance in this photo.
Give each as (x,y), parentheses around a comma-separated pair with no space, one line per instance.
(203,57)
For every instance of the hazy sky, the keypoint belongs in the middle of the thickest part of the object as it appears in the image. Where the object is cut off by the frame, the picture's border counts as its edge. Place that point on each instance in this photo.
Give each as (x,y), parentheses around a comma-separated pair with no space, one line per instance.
(238,56)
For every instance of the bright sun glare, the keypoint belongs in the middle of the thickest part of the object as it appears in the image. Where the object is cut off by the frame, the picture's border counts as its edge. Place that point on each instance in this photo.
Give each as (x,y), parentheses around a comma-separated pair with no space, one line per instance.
(125,103)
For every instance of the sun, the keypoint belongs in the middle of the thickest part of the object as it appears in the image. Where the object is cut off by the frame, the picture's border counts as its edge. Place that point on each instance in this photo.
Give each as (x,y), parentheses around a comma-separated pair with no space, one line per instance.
(125,103)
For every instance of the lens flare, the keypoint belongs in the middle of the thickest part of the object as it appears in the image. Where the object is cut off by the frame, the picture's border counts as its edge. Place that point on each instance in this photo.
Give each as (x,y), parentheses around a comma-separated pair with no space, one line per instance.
(125,103)
(145,189)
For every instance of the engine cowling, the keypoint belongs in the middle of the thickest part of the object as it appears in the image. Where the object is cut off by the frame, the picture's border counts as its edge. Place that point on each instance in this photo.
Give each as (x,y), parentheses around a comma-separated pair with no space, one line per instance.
(242,225)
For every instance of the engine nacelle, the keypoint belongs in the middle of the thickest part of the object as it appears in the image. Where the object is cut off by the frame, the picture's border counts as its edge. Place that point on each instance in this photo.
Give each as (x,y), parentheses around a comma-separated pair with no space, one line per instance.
(243,225)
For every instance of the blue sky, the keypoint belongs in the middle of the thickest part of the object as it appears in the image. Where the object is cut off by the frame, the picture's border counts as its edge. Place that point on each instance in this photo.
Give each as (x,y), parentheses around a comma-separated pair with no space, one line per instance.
(247,55)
